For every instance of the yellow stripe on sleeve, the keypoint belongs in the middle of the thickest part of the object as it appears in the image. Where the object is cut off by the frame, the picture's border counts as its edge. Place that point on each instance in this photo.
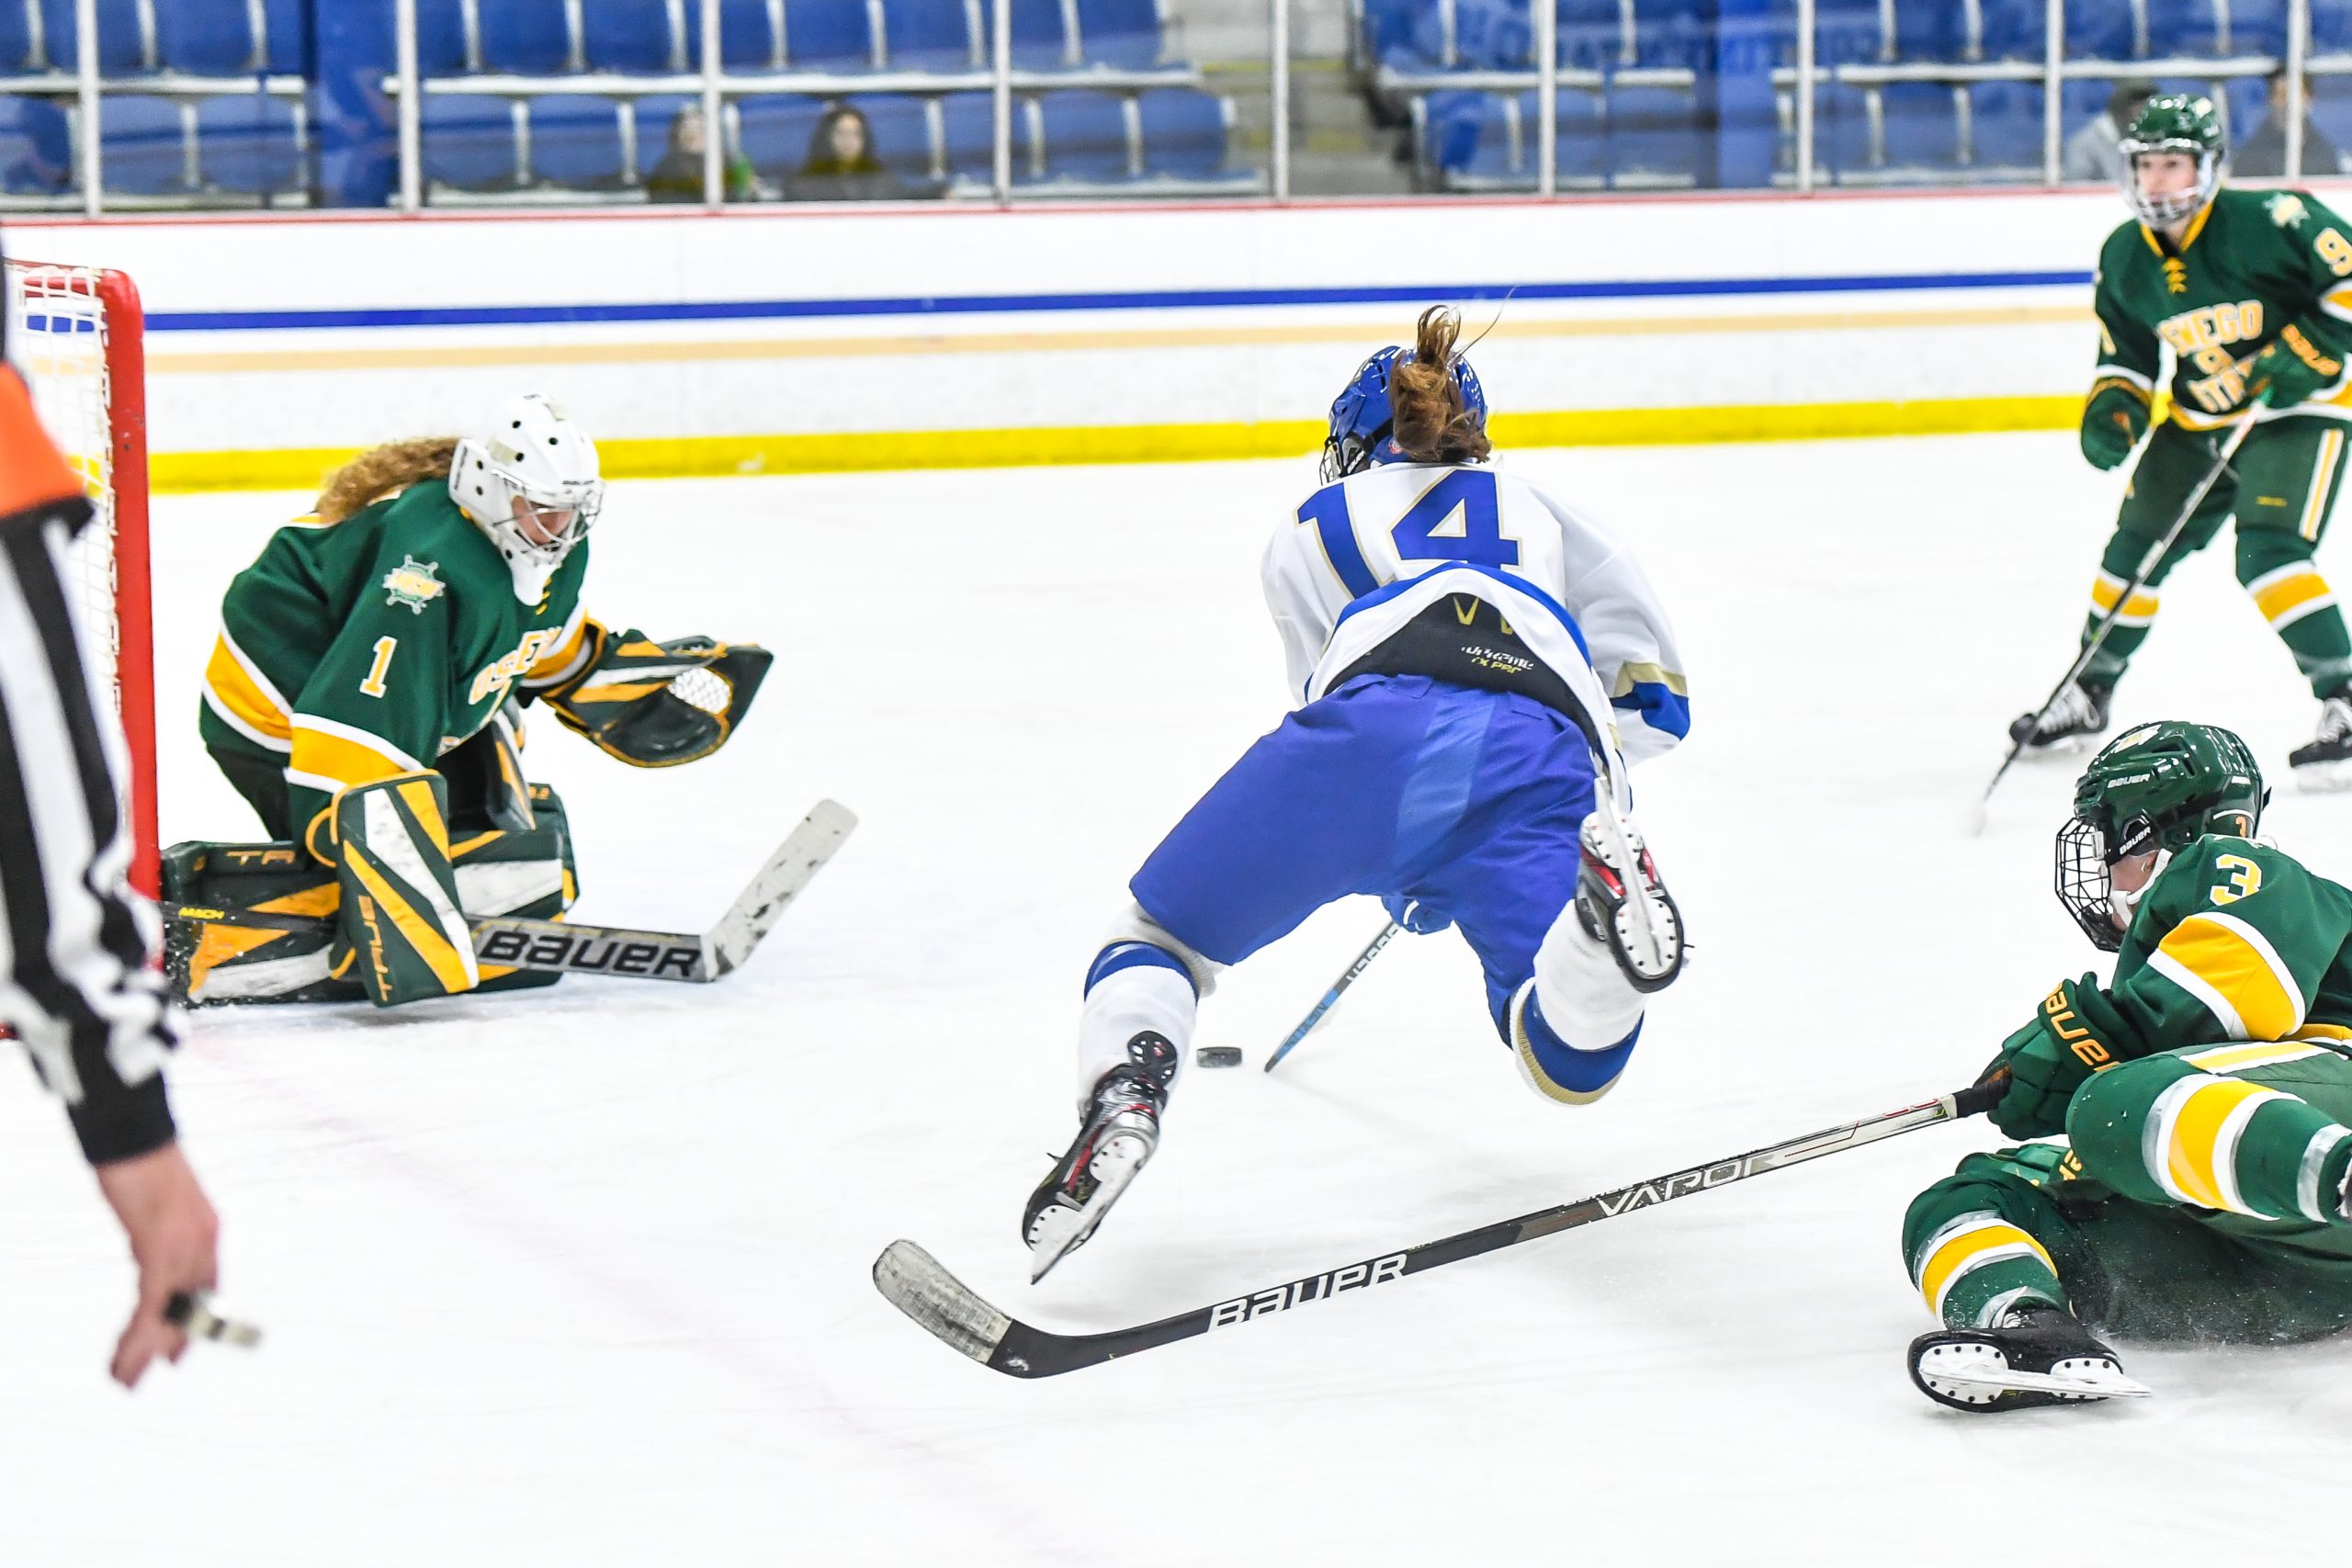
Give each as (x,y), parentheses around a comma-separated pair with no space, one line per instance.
(1974,1247)
(242,700)
(2239,1058)
(333,762)
(2218,958)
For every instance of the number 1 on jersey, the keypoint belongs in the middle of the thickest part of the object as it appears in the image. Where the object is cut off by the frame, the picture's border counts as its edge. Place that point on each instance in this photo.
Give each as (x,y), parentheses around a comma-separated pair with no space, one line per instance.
(1429,532)
(373,686)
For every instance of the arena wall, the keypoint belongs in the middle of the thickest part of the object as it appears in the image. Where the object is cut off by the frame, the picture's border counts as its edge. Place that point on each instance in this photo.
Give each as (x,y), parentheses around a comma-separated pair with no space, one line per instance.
(796,340)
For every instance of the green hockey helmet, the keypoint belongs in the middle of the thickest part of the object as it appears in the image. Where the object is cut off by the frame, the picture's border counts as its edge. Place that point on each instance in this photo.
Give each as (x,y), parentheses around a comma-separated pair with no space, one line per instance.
(2158,788)
(2174,123)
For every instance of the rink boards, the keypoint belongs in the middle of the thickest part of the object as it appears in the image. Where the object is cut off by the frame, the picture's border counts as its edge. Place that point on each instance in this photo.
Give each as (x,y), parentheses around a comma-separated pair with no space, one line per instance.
(919,336)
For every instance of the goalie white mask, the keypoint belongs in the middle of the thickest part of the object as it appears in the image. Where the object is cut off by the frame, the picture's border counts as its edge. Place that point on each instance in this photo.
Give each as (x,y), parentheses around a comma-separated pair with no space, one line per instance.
(533,486)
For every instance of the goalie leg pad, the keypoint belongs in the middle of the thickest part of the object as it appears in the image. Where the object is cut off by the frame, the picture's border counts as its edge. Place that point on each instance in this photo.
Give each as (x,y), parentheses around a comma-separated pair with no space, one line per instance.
(400,913)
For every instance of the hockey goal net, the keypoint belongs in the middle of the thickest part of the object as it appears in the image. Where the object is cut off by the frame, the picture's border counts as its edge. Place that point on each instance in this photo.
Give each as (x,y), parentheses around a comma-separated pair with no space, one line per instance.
(75,332)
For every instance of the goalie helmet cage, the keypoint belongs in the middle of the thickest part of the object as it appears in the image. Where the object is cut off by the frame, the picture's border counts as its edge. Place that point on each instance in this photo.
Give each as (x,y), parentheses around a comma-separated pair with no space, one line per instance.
(75,332)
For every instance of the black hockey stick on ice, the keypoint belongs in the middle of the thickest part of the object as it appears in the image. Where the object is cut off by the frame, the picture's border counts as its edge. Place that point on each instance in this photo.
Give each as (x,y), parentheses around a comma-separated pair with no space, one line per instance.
(915,1284)
(567,947)
(1331,998)
(2156,552)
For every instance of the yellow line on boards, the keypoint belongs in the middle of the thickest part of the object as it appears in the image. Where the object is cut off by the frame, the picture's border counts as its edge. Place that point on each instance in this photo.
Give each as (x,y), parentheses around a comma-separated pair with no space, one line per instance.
(933,343)
(872,451)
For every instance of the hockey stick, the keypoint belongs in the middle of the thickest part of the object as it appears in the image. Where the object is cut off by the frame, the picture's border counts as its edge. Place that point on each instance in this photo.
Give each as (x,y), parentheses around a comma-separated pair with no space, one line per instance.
(2156,552)
(1331,998)
(565,947)
(914,1282)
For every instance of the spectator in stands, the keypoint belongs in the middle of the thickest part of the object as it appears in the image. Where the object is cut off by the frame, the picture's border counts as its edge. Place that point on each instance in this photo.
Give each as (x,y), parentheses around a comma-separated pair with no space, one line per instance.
(678,176)
(2092,152)
(840,166)
(2265,153)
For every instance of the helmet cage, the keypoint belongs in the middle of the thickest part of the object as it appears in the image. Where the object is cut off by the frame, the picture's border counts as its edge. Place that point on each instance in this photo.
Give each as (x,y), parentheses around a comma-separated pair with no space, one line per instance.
(2086,882)
(2175,206)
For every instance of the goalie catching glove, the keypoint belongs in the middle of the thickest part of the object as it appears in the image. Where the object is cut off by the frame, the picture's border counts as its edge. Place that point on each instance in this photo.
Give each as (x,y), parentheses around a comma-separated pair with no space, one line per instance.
(656,704)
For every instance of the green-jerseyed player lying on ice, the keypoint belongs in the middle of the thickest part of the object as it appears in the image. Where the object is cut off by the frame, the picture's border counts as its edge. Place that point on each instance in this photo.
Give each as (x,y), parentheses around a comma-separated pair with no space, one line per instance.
(365,698)
(2204,1094)
(2251,290)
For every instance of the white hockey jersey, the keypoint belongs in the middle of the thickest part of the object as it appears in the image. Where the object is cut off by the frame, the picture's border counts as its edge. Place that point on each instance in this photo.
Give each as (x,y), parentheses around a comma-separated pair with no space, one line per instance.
(1371,553)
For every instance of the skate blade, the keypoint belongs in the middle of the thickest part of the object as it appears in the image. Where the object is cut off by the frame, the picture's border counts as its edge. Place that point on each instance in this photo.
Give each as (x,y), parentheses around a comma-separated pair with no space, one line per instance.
(1114,1164)
(1962,1370)
(2322,778)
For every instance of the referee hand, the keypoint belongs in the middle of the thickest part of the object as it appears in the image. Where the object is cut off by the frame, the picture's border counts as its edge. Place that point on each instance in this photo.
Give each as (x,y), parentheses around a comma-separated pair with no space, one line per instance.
(174,1235)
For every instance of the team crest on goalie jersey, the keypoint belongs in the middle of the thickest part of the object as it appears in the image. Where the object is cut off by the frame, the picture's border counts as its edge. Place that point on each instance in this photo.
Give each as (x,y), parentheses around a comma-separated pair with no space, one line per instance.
(414,584)
(2286,210)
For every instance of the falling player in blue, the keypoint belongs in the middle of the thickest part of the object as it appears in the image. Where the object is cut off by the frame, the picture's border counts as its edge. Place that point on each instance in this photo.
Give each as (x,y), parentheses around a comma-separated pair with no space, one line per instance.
(1463,650)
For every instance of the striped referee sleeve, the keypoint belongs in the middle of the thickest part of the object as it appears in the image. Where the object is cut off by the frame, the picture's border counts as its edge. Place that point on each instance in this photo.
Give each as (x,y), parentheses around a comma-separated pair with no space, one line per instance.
(75,985)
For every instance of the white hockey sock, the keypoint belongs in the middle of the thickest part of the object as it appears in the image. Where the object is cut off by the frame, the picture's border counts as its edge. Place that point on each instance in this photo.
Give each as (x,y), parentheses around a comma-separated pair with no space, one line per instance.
(1123,1004)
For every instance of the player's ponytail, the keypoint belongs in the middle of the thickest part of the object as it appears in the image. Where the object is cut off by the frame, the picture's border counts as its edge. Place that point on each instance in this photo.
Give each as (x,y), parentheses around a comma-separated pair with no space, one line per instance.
(384,470)
(1432,425)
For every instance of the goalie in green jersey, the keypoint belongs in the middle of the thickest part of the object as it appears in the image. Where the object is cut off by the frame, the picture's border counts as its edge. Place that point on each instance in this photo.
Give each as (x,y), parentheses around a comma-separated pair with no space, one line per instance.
(2251,291)
(365,696)
(2204,1093)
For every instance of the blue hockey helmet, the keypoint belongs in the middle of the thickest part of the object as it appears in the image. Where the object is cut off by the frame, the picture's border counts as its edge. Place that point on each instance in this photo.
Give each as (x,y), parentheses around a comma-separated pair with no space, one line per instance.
(1362,424)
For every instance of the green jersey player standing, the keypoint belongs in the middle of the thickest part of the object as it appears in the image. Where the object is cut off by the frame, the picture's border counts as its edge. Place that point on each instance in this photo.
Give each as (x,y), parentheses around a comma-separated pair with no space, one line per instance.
(2203,1091)
(2251,292)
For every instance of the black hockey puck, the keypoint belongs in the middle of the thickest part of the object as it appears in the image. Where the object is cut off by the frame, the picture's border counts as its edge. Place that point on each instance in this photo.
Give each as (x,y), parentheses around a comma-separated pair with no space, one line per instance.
(1218,1056)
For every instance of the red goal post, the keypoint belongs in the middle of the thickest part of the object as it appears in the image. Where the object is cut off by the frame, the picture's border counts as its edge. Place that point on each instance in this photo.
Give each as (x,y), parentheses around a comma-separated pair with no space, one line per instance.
(77,332)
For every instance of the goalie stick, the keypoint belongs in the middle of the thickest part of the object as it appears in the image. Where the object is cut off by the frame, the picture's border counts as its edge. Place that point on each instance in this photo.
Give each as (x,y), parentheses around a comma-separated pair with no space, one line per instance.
(913,1281)
(570,948)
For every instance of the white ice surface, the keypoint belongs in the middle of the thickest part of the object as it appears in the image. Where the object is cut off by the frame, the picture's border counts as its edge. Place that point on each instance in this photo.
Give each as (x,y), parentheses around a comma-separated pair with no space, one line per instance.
(580,1277)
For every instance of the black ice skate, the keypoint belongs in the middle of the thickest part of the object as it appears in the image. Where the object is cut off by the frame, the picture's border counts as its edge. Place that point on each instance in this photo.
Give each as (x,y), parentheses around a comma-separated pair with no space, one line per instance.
(1121,1132)
(1650,960)
(2079,709)
(2326,762)
(2039,1356)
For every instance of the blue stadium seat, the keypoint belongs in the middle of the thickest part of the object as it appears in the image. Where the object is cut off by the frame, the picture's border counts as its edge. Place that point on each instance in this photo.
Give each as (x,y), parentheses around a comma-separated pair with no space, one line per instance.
(469,141)
(1653,130)
(36,147)
(773,129)
(15,55)
(1591,34)
(142,146)
(528,37)
(968,131)
(1675,33)
(1847,32)
(2245,104)
(1039,42)
(2101,29)
(121,50)
(205,38)
(901,132)
(928,35)
(1931,30)
(1922,125)
(250,144)
(2331,26)
(747,40)
(828,35)
(1387,23)
(632,35)
(2332,110)
(2259,26)
(1124,33)
(1841,130)
(1493,35)
(2184,26)
(1580,135)
(576,141)
(1472,136)
(2016,29)
(1085,135)
(284,19)
(440,38)
(2005,119)
(1184,133)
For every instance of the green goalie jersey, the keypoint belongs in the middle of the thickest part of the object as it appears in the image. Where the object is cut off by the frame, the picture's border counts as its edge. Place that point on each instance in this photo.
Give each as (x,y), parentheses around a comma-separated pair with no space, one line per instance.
(362,650)
(2254,267)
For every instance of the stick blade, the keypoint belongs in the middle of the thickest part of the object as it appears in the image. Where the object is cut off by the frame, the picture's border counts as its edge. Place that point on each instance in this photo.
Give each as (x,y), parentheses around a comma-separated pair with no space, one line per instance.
(773,888)
(912,1281)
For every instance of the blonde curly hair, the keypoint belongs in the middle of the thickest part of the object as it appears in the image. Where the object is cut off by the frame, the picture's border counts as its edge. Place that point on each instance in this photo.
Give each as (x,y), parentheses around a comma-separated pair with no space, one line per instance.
(384,470)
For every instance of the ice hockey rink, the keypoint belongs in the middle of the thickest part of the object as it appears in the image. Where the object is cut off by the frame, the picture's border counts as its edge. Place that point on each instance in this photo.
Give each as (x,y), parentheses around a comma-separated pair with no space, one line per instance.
(581,1276)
